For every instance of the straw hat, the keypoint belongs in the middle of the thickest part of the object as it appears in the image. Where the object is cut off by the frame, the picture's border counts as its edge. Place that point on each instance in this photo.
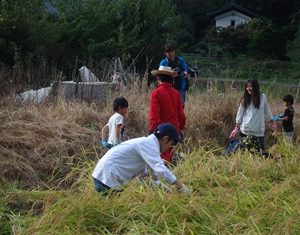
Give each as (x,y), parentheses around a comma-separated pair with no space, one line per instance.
(164,70)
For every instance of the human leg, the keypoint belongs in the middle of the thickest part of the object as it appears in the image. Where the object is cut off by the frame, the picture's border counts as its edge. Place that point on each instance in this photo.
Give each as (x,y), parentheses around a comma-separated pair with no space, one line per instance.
(288,137)
(100,187)
(261,143)
(253,142)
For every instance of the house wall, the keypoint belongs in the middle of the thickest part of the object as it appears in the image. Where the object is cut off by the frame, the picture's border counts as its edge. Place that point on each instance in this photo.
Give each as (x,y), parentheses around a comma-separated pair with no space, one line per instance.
(225,19)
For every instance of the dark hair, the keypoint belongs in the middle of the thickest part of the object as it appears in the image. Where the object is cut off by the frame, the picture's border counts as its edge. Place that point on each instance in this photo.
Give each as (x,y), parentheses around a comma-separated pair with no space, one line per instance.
(160,136)
(289,99)
(254,97)
(119,103)
(169,47)
(166,78)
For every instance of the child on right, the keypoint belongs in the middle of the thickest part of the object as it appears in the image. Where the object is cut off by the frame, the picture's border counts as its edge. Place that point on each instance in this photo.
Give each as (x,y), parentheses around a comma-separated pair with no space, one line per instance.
(112,131)
(287,118)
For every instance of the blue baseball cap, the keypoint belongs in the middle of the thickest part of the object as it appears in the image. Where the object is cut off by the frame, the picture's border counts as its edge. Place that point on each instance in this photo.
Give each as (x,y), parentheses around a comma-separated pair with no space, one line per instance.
(167,129)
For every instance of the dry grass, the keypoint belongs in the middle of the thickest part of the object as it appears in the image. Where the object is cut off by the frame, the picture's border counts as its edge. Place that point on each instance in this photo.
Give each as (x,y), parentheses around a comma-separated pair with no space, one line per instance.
(51,149)
(39,144)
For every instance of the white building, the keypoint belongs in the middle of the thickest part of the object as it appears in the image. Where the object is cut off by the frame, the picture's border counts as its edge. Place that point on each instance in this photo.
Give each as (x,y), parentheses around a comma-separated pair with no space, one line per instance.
(231,15)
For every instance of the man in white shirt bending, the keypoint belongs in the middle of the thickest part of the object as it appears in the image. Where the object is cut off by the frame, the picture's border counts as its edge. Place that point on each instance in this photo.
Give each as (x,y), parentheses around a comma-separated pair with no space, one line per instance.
(125,161)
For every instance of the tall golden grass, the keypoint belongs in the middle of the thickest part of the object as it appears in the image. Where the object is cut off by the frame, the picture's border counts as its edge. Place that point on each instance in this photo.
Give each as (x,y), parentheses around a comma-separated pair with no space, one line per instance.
(39,144)
(245,194)
(47,153)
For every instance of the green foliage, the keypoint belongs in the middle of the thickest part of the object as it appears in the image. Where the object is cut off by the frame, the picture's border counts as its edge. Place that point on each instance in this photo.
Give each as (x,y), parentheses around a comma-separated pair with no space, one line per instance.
(261,34)
(60,33)
(149,24)
(232,40)
(23,29)
(278,25)
(89,30)
(260,38)
(294,47)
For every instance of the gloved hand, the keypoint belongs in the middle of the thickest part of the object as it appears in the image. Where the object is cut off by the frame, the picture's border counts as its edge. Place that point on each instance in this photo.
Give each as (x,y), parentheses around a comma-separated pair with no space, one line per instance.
(234,132)
(184,189)
(274,126)
(105,144)
(276,118)
(164,187)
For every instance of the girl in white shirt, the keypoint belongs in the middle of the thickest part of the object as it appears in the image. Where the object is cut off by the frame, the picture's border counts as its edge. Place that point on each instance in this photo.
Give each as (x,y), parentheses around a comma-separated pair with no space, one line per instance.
(252,113)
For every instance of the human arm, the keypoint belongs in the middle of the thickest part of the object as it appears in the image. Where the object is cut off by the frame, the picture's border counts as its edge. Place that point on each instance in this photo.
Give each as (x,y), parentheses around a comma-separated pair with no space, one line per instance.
(268,113)
(104,133)
(183,66)
(119,122)
(267,110)
(118,133)
(104,138)
(239,119)
(181,187)
(181,114)
(150,154)
(288,114)
(239,115)
(154,112)
(285,118)
(280,118)
(164,62)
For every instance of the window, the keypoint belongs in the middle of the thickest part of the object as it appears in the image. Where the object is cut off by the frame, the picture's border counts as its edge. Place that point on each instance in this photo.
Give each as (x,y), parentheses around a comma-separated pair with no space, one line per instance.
(232,23)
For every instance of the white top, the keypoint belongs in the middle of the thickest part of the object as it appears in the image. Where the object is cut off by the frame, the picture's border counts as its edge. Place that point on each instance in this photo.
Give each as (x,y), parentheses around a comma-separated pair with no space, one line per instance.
(114,120)
(125,161)
(252,120)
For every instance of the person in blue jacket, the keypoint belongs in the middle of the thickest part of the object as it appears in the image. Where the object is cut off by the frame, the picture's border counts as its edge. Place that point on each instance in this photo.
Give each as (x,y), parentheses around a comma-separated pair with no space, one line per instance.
(178,64)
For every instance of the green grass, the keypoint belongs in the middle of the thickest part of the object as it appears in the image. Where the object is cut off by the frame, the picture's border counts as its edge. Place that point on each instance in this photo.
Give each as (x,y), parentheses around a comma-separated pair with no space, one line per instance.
(243,194)
(246,68)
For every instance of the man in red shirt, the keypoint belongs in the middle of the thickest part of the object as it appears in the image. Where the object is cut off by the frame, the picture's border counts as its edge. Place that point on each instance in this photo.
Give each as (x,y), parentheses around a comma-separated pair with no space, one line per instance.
(165,104)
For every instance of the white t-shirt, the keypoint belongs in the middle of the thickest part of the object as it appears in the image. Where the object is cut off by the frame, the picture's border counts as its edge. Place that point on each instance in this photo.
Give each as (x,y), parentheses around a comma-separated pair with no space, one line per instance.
(252,119)
(125,161)
(114,120)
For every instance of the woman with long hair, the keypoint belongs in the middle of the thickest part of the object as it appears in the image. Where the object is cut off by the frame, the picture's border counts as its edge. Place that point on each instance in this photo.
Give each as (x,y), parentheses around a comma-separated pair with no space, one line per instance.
(252,113)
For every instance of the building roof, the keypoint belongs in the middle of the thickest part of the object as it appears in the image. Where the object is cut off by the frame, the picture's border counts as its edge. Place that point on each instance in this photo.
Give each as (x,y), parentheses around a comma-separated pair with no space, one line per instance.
(230,7)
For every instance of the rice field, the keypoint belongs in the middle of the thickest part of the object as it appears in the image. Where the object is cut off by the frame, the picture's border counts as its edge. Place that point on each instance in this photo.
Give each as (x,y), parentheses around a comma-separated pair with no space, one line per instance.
(47,153)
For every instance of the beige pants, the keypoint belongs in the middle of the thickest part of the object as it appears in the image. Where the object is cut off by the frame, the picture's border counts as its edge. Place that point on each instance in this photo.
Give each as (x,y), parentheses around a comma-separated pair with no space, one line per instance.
(288,137)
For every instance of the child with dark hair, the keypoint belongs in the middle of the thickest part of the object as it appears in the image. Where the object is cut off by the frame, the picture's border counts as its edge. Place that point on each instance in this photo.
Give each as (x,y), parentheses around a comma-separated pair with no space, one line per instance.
(252,113)
(287,118)
(113,130)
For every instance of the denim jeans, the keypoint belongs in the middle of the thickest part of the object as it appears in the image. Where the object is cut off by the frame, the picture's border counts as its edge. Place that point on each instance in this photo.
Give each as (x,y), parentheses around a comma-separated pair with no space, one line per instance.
(100,187)
(104,189)
(182,91)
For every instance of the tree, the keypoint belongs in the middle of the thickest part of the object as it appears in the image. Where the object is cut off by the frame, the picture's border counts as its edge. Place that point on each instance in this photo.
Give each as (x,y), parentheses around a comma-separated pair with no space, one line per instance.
(23,30)
(145,25)
(293,48)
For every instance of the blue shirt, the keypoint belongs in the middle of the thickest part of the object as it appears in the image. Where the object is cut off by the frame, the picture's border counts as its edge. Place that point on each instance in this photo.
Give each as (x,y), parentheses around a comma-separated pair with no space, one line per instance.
(179,65)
